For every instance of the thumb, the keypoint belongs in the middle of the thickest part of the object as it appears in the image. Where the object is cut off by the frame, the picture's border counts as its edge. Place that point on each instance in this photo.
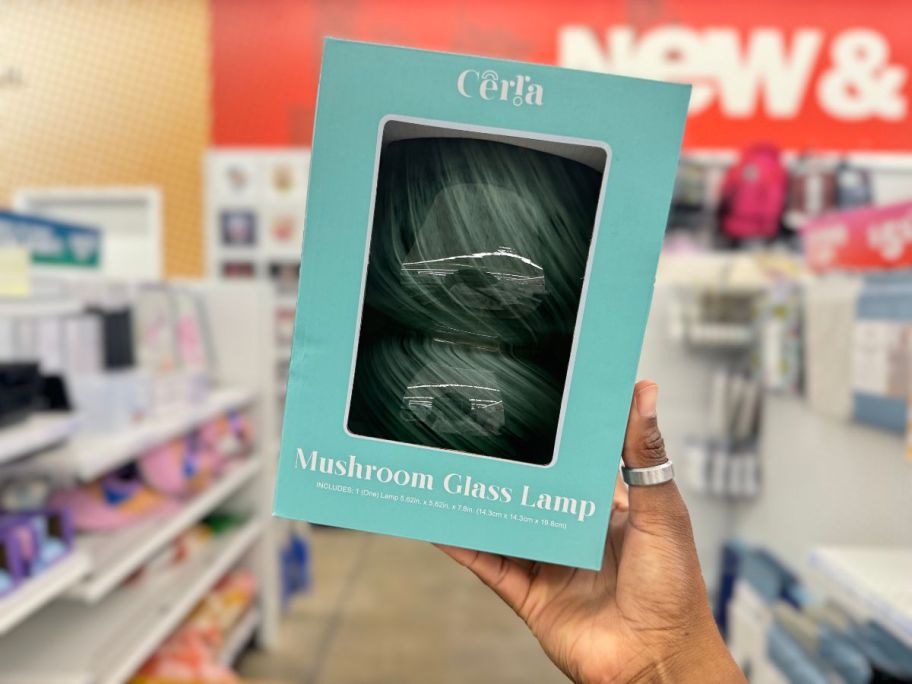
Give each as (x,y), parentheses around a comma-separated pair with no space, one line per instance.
(657,509)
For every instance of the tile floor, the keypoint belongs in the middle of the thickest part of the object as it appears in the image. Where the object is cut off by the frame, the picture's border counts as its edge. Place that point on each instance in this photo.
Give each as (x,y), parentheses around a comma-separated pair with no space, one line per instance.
(392,611)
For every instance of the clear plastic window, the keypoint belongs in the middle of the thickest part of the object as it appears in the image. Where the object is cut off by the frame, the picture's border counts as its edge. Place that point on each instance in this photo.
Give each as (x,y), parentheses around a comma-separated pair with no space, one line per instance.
(478,253)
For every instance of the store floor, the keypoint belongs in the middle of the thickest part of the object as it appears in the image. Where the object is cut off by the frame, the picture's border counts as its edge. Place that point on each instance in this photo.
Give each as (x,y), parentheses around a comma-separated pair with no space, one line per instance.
(393,611)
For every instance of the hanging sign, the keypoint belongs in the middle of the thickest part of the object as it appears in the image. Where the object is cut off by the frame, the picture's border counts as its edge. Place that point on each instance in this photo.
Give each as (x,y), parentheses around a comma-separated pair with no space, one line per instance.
(51,243)
(870,238)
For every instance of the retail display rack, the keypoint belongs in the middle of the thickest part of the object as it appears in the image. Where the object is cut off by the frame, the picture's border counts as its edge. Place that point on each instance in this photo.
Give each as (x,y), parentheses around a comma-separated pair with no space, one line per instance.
(86,618)
(871,583)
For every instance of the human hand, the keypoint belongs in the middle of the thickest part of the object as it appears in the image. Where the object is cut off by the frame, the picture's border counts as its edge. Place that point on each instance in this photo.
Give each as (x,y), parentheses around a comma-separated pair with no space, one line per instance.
(645,616)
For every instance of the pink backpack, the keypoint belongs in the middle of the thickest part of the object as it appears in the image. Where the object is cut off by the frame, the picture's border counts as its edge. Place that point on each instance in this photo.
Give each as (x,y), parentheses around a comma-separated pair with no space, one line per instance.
(753,194)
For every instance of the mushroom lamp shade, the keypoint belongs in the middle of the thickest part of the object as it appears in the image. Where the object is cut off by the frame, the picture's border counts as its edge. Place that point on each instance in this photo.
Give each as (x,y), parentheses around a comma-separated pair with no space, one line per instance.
(461,397)
(480,239)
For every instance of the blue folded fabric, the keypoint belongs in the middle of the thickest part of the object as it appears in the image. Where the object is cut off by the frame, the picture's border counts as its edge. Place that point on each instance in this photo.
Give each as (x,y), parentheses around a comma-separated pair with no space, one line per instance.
(886,653)
(792,660)
(843,656)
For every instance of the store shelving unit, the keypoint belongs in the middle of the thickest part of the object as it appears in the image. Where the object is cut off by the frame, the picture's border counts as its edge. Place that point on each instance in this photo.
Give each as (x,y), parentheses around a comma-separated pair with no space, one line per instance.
(88,457)
(114,557)
(106,643)
(40,431)
(84,620)
(871,583)
(40,590)
(721,335)
(38,307)
(239,636)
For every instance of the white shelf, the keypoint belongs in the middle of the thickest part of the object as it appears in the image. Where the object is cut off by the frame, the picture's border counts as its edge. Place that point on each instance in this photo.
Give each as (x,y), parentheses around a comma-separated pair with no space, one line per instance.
(239,636)
(114,557)
(872,583)
(89,457)
(719,335)
(39,431)
(32,307)
(39,590)
(106,643)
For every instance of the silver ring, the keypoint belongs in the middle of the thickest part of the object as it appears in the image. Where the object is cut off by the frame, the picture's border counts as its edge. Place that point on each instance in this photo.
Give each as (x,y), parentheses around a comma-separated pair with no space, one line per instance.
(647,477)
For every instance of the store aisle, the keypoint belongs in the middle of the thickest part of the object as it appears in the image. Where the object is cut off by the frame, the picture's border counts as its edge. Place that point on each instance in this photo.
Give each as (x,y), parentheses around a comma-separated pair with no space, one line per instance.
(385,610)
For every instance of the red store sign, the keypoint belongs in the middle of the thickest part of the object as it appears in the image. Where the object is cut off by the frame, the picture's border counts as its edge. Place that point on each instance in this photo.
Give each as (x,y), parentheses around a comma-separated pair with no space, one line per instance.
(823,75)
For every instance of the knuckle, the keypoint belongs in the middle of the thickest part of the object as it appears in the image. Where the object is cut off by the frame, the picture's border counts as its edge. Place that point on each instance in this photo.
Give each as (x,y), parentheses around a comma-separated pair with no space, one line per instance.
(652,446)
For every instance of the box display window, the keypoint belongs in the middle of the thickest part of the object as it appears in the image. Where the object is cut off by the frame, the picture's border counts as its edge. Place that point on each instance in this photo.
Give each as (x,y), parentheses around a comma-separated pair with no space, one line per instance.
(475,277)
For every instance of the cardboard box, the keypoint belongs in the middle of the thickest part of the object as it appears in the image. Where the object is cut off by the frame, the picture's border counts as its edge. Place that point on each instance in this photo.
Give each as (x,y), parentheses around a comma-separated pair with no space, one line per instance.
(480,247)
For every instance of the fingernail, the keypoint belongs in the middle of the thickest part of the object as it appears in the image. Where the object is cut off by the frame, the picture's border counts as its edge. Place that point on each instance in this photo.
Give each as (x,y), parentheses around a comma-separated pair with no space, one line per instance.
(646,400)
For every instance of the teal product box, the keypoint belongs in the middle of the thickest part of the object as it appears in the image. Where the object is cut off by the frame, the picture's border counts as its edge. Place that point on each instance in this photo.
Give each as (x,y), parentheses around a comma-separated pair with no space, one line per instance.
(479,255)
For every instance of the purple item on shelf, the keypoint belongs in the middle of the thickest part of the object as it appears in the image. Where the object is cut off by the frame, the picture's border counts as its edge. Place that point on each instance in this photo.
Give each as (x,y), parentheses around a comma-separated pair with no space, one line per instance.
(30,542)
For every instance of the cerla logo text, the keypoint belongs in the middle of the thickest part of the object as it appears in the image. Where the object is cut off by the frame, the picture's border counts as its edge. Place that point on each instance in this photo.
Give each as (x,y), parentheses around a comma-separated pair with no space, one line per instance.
(488,85)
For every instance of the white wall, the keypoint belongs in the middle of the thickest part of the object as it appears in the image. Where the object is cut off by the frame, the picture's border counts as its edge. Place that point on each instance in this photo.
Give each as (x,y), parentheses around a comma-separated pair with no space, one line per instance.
(825,481)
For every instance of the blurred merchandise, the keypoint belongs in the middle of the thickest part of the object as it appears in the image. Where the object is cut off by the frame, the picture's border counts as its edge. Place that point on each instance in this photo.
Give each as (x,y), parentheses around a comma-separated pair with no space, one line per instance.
(753,195)
(295,560)
(853,186)
(180,466)
(114,501)
(781,630)
(778,360)
(111,401)
(20,384)
(193,653)
(691,219)
(31,540)
(14,271)
(882,351)
(725,461)
(830,309)
(116,325)
(24,493)
(872,583)
(812,190)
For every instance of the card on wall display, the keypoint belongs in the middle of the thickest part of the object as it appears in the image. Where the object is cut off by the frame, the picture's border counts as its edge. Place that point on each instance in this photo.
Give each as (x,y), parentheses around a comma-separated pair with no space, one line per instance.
(238,228)
(284,228)
(239,269)
(286,177)
(238,178)
(285,275)
(284,322)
